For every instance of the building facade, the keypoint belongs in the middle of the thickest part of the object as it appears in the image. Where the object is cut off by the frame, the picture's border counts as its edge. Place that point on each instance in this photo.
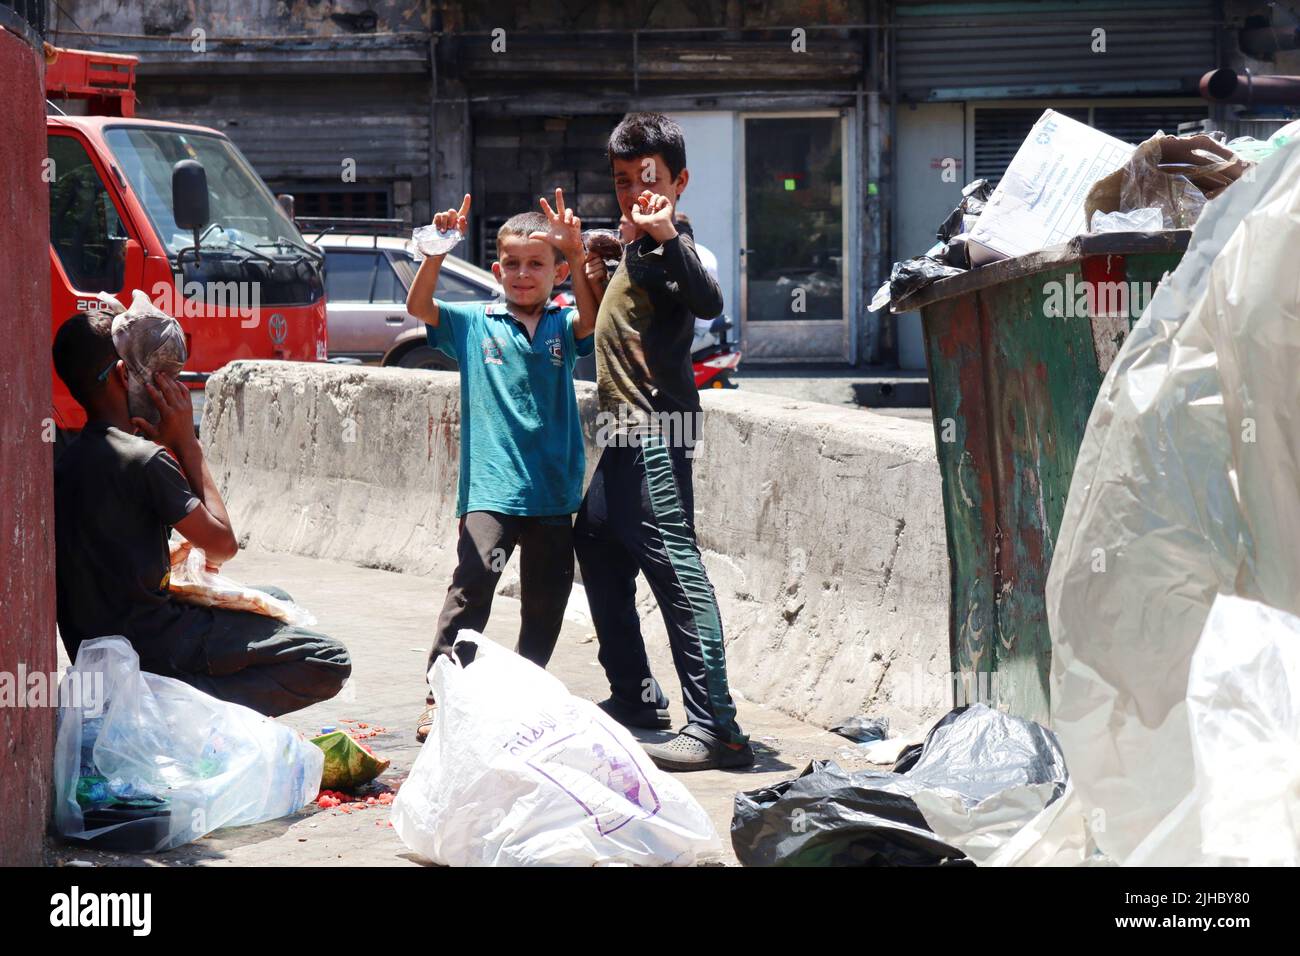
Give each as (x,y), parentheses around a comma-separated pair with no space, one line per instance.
(824,140)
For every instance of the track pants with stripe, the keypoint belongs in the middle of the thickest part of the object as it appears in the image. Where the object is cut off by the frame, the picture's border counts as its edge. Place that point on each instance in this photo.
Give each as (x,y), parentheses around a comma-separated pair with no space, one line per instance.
(639,515)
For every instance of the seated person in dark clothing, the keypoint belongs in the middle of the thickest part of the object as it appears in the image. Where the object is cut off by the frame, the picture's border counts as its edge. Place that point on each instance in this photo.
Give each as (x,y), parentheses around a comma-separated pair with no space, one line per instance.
(116,495)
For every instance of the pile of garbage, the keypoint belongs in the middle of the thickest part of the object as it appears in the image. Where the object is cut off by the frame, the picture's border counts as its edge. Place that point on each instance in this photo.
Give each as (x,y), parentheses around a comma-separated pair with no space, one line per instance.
(1174,592)
(145,763)
(977,779)
(1068,179)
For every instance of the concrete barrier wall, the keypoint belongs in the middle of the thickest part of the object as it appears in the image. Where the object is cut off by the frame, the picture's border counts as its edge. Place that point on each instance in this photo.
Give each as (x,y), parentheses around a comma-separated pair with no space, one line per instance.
(822,527)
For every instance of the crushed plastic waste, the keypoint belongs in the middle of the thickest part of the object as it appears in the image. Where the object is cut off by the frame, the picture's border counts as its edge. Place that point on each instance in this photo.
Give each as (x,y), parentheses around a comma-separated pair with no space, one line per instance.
(979,777)
(863,729)
(431,241)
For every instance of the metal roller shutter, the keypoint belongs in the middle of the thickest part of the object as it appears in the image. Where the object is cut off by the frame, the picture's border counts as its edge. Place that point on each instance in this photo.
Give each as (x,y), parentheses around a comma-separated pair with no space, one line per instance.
(1000,131)
(1006,50)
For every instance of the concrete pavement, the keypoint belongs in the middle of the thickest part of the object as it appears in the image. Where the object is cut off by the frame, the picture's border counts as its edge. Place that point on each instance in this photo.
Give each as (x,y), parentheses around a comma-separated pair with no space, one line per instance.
(386,619)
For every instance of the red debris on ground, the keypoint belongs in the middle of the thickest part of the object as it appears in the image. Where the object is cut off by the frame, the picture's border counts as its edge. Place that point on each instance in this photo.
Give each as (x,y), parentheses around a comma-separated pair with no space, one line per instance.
(361,730)
(350,803)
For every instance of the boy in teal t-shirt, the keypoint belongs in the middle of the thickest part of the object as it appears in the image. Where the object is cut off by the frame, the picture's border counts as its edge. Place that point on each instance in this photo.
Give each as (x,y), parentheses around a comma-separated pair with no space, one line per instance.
(521,449)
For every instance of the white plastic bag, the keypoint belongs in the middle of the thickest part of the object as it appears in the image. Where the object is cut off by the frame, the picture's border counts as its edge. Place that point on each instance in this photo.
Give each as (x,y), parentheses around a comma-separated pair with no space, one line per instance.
(517,771)
(193,583)
(1147,219)
(1187,485)
(180,760)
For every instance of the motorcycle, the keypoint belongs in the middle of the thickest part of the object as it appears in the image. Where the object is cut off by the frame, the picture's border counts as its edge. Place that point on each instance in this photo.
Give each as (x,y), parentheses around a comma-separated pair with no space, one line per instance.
(713,358)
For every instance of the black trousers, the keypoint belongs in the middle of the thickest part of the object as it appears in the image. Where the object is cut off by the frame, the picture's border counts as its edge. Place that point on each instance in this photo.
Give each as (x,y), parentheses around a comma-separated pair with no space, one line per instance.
(639,515)
(487,539)
(257,661)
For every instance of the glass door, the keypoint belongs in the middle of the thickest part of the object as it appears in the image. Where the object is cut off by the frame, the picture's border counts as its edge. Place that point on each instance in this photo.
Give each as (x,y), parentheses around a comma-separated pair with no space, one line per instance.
(794,237)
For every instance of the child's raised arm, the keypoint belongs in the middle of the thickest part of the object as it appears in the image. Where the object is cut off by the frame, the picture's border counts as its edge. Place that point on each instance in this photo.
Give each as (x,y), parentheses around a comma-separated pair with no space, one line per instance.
(420,301)
(565,234)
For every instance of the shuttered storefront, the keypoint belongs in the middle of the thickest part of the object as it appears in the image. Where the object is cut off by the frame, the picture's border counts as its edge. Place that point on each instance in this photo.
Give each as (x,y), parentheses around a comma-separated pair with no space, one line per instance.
(1013,50)
(342,145)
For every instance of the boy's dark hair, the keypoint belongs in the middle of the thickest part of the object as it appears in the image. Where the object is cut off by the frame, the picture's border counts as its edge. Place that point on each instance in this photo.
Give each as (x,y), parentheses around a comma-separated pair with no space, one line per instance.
(644,134)
(524,224)
(83,348)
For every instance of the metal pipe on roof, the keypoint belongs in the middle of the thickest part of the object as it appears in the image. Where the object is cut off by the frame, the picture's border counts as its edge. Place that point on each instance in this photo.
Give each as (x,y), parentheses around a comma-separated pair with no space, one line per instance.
(1229,86)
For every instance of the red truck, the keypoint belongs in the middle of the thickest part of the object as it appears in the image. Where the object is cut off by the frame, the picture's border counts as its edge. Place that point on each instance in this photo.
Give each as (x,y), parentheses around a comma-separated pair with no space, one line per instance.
(175,210)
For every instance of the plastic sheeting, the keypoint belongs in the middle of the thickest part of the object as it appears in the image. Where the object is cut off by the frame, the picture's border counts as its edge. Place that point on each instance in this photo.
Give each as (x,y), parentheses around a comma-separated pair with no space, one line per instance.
(1243,701)
(980,776)
(984,777)
(193,582)
(1187,485)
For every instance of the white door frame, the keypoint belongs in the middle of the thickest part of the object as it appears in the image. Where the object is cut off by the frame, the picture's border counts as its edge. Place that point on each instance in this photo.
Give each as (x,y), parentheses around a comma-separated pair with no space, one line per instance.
(851,262)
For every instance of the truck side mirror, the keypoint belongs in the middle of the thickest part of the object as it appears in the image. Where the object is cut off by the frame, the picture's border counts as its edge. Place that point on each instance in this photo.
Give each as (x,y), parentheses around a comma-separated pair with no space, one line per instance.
(190,198)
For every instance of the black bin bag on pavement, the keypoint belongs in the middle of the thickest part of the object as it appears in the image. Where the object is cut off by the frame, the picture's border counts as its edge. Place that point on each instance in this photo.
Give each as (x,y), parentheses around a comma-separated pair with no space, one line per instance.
(979,777)
(830,817)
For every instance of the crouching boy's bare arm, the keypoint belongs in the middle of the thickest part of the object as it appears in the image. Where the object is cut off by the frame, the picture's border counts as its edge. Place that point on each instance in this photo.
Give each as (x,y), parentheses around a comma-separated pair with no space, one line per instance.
(420,301)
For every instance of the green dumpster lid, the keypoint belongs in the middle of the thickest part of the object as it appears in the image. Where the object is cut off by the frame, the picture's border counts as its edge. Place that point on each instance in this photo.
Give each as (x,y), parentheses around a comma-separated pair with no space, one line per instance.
(1080,247)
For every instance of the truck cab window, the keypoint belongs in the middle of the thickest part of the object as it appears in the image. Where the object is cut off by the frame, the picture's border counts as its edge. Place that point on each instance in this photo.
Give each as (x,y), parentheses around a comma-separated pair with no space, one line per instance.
(85,230)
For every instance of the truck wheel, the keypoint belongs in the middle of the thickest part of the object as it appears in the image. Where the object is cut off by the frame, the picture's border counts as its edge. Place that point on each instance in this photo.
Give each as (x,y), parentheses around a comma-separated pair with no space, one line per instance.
(421,356)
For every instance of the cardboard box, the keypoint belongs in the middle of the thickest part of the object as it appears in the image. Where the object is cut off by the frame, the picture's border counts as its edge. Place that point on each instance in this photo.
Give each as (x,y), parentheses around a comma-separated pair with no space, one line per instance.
(1039,202)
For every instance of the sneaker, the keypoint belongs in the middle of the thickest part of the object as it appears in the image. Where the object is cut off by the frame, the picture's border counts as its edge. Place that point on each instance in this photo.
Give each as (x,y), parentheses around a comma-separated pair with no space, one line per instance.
(694,748)
(647,717)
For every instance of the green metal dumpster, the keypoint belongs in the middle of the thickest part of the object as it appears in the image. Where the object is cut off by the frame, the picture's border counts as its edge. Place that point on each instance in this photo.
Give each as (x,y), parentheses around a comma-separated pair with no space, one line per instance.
(1016,353)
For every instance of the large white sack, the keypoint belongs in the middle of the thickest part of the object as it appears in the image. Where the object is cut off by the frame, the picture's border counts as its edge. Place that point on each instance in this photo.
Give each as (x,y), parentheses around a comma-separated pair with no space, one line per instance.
(1187,485)
(517,771)
(1243,700)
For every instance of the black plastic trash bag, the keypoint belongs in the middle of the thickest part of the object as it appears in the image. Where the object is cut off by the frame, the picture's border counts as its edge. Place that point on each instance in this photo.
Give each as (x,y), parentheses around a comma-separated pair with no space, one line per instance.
(973,197)
(979,778)
(829,817)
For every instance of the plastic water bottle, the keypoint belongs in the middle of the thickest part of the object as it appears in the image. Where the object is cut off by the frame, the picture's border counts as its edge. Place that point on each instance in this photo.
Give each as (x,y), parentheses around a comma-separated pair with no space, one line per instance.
(430,241)
(89,734)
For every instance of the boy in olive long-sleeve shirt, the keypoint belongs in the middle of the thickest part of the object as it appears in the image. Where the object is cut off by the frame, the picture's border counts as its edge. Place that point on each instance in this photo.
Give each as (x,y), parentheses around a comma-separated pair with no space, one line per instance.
(639,511)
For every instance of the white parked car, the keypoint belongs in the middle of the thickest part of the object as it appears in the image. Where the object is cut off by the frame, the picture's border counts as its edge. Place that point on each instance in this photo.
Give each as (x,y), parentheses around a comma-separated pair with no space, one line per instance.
(366,280)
